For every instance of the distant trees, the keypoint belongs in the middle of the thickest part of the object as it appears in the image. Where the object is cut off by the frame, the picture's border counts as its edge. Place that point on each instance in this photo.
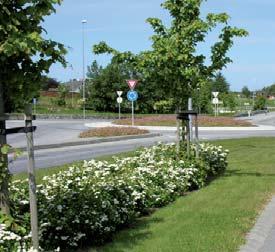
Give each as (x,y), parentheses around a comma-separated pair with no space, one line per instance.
(269,90)
(260,103)
(220,84)
(47,83)
(246,92)
(102,84)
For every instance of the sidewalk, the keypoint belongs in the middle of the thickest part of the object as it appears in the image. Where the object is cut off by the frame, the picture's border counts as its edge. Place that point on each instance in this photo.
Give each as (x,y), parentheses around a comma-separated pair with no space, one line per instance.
(262,237)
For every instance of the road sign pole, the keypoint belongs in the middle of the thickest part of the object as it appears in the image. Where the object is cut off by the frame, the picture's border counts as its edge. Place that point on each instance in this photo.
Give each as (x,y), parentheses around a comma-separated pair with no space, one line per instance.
(32,184)
(119,111)
(133,114)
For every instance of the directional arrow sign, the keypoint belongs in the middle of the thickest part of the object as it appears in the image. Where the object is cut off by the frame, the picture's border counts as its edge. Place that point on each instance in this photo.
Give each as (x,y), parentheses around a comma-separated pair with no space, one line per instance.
(132,84)
(132,96)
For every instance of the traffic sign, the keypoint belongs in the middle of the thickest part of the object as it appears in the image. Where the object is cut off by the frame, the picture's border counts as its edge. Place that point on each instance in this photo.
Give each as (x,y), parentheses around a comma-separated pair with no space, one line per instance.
(119,100)
(215,101)
(132,96)
(215,94)
(132,84)
(119,93)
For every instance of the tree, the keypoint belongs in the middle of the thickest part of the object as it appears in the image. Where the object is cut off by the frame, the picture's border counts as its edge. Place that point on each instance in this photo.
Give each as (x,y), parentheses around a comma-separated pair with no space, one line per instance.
(103,83)
(246,92)
(25,57)
(63,91)
(270,90)
(174,61)
(220,84)
(25,54)
(260,103)
(48,83)
(229,101)
(202,98)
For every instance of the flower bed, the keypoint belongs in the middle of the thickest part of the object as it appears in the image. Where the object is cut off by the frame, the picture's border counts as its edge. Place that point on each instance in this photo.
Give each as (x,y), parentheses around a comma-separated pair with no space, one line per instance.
(112,131)
(86,204)
(170,120)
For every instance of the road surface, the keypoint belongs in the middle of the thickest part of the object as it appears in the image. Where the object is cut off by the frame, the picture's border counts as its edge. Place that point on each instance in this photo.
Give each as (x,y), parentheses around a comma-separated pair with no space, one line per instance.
(63,131)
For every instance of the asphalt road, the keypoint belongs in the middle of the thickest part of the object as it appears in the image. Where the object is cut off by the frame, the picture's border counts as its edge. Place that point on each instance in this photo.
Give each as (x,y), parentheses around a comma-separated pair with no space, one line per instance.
(63,131)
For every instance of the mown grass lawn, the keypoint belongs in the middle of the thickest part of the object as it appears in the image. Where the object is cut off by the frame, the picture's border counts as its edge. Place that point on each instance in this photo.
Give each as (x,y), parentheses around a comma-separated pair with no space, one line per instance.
(215,218)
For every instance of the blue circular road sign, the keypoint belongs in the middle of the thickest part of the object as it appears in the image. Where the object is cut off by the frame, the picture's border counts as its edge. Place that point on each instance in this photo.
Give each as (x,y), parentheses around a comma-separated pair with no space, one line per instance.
(132,96)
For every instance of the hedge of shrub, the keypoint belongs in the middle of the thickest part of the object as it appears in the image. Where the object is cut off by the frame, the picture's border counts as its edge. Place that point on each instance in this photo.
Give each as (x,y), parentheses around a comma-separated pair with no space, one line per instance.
(87,203)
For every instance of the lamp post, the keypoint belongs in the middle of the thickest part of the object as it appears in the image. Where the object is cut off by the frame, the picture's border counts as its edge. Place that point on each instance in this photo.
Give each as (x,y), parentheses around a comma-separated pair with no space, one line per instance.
(84,21)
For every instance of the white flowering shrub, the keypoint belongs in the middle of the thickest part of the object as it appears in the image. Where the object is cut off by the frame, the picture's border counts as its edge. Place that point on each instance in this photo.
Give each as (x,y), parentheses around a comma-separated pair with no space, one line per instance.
(12,236)
(86,204)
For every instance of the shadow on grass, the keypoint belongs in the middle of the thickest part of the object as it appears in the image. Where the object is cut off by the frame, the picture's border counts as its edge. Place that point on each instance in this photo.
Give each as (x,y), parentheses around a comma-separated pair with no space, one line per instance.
(230,173)
(129,236)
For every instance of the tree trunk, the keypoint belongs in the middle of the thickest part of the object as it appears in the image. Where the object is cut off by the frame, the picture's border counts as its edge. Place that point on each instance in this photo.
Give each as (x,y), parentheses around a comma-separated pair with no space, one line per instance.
(4,180)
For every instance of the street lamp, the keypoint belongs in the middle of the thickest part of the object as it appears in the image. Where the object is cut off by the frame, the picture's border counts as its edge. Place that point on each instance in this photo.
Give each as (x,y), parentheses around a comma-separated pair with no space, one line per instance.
(84,21)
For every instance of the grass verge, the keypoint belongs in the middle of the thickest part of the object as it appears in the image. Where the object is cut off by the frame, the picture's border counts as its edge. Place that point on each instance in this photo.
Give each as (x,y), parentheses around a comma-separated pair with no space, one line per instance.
(217,217)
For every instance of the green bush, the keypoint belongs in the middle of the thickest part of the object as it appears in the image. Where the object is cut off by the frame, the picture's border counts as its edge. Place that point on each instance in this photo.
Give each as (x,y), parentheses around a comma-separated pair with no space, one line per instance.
(87,203)
(260,103)
(164,106)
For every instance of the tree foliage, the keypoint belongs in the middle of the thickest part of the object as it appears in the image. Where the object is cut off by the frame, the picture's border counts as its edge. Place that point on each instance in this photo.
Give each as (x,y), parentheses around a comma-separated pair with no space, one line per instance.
(103,83)
(246,92)
(24,57)
(269,90)
(220,84)
(260,103)
(174,61)
(24,54)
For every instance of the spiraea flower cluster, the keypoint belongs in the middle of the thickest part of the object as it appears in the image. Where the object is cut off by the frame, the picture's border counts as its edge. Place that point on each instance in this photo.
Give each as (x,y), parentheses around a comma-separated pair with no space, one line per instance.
(86,204)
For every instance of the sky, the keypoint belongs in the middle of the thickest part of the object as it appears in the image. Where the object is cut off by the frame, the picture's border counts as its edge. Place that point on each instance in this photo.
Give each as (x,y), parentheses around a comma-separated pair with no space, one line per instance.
(122,24)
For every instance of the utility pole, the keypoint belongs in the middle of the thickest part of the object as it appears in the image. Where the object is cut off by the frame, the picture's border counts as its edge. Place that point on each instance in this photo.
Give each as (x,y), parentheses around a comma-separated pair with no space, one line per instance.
(84,21)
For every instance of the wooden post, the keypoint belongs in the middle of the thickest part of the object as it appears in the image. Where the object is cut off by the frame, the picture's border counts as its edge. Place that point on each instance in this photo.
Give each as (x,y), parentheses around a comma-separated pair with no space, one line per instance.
(190,124)
(4,184)
(32,184)
(187,138)
(178,136)
(197,136)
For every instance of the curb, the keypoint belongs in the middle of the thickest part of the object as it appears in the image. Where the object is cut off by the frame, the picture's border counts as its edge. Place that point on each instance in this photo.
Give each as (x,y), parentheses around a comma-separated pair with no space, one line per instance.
(257,237)
(91,141)
(169,128)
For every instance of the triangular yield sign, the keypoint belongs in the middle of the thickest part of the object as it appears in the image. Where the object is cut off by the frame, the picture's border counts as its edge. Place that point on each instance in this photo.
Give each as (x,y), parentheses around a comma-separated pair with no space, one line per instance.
(215,94)
(119,93)
(132,83)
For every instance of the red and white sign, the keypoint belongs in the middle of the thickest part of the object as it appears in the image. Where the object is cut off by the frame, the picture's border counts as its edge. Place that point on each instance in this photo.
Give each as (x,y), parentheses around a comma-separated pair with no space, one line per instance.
(132,84)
